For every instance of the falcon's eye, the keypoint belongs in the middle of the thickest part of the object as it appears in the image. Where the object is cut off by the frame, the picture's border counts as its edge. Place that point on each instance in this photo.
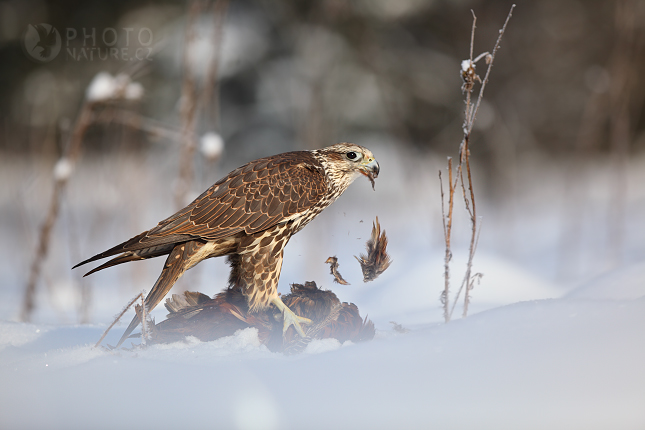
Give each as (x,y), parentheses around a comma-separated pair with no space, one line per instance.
(351,155)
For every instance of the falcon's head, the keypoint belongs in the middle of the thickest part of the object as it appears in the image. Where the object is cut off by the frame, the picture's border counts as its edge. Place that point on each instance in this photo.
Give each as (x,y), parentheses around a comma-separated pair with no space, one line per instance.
(344,162)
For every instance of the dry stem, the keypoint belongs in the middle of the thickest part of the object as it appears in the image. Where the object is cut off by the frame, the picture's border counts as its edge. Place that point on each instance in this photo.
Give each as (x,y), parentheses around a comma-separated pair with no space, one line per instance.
(69,157)
(470,78)
(118,317)
(190,90)
(188,109)
(142,313)
(447,230)
(210,103)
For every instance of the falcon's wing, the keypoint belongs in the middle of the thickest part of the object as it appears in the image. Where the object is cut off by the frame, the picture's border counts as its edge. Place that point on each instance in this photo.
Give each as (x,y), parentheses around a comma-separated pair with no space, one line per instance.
(252,198)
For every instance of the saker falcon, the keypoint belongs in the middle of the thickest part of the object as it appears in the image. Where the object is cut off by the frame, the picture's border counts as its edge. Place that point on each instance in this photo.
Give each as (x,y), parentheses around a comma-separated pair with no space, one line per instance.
(249,215)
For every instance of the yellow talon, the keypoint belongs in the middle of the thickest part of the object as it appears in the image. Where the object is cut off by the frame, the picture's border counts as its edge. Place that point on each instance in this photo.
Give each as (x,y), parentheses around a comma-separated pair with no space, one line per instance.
(290,318)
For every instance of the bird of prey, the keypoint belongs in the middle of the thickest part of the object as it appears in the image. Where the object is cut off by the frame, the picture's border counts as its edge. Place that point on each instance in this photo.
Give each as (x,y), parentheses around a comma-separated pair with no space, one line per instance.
(46,40)
(249,215)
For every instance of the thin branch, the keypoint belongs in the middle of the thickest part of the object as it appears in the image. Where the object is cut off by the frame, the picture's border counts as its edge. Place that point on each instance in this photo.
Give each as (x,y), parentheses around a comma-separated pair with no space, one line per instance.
(447,230)
(210,103)
(103,91)
(144,321)
(470,77)
(472,35)
(489,60)
(118,317)
(189,103)
(62,172)
(467,277)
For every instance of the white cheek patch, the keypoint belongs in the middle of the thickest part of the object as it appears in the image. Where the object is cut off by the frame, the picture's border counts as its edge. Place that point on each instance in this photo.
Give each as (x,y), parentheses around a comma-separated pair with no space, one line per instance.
(355,175)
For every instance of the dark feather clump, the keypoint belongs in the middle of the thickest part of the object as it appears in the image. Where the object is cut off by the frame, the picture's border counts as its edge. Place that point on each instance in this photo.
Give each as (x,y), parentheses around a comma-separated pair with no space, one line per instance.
(377,260)
(195,314)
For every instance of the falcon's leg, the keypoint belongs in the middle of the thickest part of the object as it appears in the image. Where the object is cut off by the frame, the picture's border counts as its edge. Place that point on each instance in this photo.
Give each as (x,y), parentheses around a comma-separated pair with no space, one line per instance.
(289,317)
(256,270)
(181,258)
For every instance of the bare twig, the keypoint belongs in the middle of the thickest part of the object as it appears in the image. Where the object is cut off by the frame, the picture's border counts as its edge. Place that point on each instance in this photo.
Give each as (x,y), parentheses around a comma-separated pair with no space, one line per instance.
(470,77)
(399,328)
(468,279)
(189,103)
(143,315)
(136,121)
(118,317)
(104,90)
(447,231)
(210,102)
(62,171)
(489,61)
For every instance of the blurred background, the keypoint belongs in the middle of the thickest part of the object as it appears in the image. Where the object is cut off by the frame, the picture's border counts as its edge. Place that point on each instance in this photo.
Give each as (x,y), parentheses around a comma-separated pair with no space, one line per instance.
(116,113)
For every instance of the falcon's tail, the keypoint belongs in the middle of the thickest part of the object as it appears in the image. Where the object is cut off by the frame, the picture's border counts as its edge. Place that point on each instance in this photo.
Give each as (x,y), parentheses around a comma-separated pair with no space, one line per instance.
(141,254)
(113,262)
(119,249)
(176,264)
(139,247)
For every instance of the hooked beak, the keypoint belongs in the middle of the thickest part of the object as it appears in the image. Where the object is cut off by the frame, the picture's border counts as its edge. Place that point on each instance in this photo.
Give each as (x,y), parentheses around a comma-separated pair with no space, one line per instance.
(373,167)
(370,169)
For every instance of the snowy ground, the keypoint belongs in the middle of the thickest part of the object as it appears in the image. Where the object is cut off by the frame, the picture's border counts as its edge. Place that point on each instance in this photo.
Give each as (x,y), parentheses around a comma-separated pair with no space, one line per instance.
(571,363)
(535,352)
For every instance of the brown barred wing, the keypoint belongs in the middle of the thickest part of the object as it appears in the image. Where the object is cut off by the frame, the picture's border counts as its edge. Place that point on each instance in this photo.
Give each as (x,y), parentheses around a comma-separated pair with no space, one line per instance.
(252,198)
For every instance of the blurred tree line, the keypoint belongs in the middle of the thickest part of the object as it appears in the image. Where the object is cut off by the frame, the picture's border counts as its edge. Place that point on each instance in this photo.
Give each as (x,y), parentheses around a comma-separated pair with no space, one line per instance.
(296,74)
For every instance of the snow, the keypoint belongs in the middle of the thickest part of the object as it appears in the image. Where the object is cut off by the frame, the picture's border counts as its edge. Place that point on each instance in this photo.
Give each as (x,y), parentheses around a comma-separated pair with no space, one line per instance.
(318,346)
(16,334)
(534,353)
(211,145)
(63,169)
(622,284)
(101,88)
(466,65)
(572,362)
(555,363)
(106,87)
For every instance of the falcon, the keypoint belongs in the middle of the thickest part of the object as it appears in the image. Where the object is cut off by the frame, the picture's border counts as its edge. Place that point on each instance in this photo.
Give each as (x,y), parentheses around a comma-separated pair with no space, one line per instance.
(249,216)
